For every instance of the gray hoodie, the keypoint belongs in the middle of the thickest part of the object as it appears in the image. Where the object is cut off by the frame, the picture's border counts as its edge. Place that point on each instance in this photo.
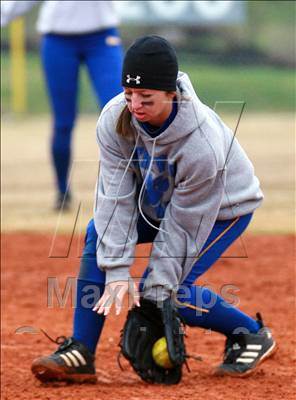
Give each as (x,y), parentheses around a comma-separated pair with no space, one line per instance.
(192,174)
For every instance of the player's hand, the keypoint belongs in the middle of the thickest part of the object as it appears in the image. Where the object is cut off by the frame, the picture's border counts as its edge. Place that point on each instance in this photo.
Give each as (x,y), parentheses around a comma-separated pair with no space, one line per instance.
(114,294)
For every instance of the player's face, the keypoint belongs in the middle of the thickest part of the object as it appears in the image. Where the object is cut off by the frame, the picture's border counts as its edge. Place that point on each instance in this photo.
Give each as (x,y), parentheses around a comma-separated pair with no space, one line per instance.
(147,105)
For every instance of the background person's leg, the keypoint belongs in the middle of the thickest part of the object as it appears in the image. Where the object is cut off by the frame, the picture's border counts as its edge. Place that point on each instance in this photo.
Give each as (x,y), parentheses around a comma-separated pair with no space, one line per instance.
(103,56)
(61,66)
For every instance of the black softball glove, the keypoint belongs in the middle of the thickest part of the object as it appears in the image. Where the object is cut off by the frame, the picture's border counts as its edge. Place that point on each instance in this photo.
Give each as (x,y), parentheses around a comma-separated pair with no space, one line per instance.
(143,327)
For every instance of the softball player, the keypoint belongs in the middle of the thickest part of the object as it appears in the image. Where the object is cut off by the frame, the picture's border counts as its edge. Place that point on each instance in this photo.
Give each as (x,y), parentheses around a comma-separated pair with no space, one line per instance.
(73,33)
(171,173)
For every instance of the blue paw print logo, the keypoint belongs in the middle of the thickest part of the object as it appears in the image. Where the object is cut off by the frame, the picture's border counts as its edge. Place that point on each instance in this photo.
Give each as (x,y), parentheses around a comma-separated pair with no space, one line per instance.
(158,181)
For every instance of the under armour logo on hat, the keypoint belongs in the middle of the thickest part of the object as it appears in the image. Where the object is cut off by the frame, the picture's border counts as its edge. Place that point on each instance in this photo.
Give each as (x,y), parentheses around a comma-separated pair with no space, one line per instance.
(137,79)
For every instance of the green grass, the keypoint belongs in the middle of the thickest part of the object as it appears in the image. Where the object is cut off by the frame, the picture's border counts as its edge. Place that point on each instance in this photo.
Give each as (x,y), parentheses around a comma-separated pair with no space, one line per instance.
(262,88)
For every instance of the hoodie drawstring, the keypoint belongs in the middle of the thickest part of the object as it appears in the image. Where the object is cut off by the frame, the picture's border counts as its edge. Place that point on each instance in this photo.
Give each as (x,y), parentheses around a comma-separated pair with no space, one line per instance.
(143,188)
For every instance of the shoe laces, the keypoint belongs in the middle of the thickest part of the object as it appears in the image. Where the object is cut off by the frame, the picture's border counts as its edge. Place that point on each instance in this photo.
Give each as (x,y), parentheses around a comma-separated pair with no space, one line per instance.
(61,341)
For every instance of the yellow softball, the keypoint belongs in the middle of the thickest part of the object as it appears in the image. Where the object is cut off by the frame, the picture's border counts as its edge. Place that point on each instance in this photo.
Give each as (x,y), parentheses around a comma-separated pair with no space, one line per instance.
(160,353)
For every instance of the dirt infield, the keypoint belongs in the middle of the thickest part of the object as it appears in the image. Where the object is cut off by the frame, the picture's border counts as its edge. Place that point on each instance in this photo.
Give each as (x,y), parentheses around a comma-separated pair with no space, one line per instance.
(265,280)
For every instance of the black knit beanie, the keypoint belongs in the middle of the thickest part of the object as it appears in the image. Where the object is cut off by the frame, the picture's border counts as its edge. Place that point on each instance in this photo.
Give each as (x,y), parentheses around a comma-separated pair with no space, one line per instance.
(150,63)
